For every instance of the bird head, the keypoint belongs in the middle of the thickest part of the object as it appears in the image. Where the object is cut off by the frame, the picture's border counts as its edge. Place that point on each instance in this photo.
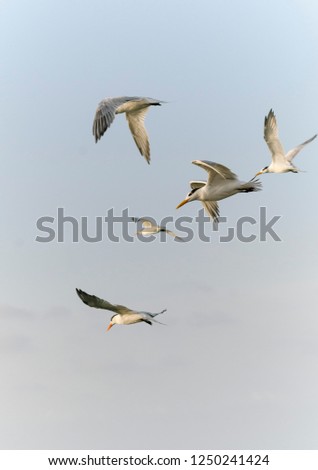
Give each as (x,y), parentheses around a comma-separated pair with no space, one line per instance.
(192,196)
(113,321)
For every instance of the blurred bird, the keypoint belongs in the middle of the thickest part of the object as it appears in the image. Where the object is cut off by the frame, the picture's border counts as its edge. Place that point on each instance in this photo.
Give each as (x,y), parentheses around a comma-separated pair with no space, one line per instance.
(123,315)
(135,108)
(149,228)
(222,183)
(281,162)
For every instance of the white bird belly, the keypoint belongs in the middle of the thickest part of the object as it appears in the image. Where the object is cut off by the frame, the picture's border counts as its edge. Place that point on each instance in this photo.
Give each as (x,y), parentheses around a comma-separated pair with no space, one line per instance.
(280,167)
(129,318)
(217,193)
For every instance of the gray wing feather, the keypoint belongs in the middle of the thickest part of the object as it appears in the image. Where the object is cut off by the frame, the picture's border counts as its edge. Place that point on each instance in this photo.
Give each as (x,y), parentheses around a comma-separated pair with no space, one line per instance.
(293,152)
(104,116)
(216,171)
(105,113)
(96,302)
(212,209)
(222,170)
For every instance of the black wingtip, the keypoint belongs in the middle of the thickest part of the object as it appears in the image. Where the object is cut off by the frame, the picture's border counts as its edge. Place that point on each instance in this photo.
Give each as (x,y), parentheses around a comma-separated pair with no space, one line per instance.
(81,294)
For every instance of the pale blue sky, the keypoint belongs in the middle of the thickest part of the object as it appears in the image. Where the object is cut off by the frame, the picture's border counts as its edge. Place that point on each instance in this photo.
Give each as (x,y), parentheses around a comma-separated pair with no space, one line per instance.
(236,365)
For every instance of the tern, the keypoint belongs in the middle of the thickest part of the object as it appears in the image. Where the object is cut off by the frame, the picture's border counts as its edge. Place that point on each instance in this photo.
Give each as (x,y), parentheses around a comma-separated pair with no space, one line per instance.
(123,315)
(281,161)
(148,227)
(135,108)
(222,183)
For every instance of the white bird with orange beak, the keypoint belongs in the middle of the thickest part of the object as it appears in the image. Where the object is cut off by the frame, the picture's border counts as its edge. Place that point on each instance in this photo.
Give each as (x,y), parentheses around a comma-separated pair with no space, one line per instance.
(222,183)
(281,161)
(123,316)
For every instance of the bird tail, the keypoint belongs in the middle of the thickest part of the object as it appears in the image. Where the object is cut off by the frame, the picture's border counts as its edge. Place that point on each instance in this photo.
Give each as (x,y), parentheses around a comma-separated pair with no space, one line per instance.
(154,315)
(251,186)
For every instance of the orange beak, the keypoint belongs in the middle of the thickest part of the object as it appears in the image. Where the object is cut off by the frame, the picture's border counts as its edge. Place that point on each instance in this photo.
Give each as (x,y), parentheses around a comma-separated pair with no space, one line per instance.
(109,326)
(257,174)
(182,203)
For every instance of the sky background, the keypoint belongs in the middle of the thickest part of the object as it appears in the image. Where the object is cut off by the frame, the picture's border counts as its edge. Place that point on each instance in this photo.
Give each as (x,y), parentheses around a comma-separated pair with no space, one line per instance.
(236,364)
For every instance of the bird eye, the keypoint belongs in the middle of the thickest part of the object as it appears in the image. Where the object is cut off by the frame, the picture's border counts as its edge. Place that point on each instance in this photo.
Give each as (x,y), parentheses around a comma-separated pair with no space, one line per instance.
(192,191)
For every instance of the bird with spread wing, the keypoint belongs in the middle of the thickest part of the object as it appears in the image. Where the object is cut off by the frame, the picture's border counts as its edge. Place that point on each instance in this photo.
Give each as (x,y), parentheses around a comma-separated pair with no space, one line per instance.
(281,161)
(148,227)
(135,108)
(123,315)
(222,183)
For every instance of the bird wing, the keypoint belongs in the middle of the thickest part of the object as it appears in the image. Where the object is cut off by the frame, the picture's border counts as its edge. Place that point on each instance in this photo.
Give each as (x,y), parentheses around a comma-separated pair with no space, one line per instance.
(212,209)
(217,172)
(105,114)
(170,232)
(96,302)
(271,138)
(197,184)
(137,128)
(293,152)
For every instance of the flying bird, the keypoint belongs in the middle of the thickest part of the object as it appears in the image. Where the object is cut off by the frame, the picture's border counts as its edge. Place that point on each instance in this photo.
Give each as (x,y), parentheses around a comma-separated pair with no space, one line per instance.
(123,315)
(222,183)
(135,108)
(150,228)
(281,161)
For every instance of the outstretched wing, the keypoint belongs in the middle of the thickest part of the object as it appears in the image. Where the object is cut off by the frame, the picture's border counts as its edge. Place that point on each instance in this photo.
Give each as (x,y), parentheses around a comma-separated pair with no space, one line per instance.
(105,114)
(293,152)
(212,209)
(96,302)
(170,232)
(197,184)
(271,138)
(137,128)
(216,171)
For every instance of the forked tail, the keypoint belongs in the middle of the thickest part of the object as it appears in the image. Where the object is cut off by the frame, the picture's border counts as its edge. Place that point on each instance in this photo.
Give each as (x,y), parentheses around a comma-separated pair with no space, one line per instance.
(155,314)
(251,186)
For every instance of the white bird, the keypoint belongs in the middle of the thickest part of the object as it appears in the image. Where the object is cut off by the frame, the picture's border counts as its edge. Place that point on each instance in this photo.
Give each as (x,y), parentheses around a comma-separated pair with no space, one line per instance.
(222,183)
(281,161)
(135,108)
(150,228)
(123,315)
